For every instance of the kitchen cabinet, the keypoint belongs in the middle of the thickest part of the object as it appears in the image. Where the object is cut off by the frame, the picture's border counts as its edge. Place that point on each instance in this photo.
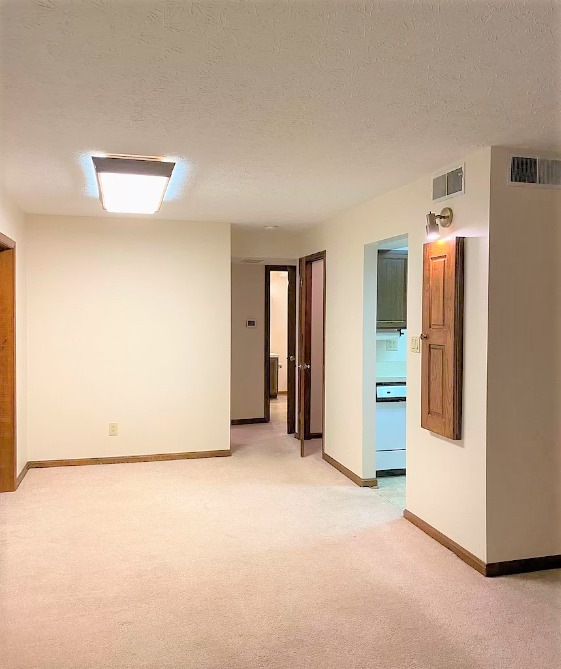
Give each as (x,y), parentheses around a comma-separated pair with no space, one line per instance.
(392,290)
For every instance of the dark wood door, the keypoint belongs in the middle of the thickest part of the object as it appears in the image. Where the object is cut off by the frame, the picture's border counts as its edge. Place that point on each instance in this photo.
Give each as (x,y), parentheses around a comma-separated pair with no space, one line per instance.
(305,347)
(392,290)
(304,350)
(7,367)
(442,337)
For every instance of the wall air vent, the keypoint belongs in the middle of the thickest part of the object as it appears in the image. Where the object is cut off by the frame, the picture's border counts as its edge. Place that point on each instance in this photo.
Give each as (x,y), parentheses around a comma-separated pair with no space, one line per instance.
(533,170)
(251,261)
(449,184)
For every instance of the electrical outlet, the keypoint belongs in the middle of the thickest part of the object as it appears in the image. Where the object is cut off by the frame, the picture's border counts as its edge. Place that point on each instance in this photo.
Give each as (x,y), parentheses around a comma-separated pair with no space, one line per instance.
(416,344)
(391,345)
(113,429)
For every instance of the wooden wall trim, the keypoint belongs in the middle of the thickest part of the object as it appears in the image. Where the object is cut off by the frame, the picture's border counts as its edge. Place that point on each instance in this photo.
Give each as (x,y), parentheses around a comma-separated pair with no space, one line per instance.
(490,569)
(523,566)
(21,475)
(442,539)
(6,242)
(8,412)
(122,459)
(363,483)
(76,462)
(248,421)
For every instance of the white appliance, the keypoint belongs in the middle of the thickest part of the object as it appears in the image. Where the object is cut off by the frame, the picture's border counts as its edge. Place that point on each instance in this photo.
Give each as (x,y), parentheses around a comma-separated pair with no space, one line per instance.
(390,425)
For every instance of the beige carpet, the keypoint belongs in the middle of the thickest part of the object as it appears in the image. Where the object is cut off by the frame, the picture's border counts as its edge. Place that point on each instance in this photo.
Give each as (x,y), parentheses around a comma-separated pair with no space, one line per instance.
(259,560)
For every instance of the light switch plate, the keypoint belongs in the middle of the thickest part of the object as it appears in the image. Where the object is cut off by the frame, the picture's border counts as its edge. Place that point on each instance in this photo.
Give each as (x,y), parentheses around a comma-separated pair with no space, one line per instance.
(416,344)
(113,429)
(391,345)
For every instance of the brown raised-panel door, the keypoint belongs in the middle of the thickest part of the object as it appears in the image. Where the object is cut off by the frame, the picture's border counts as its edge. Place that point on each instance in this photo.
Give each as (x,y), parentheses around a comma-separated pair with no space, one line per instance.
(392,290)
(442,337)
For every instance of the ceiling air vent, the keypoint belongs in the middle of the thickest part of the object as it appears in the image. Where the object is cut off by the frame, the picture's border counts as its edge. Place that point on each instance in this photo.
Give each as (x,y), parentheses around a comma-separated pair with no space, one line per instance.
(251,261)
(448,184)
(535,170)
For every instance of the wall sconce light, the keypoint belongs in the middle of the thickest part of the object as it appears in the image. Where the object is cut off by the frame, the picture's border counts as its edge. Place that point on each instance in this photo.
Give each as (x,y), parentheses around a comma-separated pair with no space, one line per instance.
(444,218)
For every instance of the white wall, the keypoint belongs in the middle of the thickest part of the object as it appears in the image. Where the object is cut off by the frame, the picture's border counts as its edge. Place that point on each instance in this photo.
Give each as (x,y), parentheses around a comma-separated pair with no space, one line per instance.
(316,362)
(279,324)
(12,224)
(128,322)
(248,374)
(524,429)
(447,480)
(391,364)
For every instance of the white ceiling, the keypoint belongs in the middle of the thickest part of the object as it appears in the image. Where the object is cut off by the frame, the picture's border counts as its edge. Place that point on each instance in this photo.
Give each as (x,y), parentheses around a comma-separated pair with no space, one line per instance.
(282,112)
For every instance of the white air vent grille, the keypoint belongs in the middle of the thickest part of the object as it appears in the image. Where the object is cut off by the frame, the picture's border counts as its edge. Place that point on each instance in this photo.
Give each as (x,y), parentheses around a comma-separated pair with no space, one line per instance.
(535,170)
(251,261)
(449,184)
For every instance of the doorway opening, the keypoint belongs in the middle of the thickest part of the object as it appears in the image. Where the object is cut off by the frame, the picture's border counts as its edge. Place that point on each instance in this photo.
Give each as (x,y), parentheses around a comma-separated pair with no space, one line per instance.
(280,345)
(8,481)
(385,365)
(311,350)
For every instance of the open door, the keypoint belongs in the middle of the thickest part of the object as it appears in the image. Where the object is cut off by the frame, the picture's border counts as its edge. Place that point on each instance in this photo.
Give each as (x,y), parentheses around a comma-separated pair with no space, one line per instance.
(311,348)
(442,337)
(291,344)
(7,366)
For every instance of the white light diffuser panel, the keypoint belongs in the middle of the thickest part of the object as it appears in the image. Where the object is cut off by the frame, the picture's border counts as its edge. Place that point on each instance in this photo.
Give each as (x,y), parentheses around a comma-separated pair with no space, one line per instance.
(132,186)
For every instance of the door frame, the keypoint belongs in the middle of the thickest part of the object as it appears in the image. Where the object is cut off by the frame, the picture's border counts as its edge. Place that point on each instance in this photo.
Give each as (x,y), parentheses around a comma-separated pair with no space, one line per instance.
(305,348)
(8,446)
(291,349)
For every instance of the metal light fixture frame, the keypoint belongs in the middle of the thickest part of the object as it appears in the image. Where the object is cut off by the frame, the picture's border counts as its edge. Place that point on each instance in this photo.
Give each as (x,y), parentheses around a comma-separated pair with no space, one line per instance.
(137,165)
(444,219)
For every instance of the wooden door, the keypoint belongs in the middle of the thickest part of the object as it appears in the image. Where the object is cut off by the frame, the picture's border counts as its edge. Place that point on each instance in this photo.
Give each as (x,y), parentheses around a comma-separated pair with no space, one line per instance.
(7,367)
(392,290)
(304,352)
(305,347)
(442,337)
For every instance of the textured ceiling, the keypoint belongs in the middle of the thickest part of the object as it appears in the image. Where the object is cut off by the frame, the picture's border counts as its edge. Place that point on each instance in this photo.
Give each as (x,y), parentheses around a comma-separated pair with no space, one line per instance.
(282,112)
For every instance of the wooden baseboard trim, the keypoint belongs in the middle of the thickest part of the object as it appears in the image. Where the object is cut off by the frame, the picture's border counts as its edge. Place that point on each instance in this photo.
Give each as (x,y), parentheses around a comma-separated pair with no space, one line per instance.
(523,566)
(247,421)
(442,539)
(122,459)
(490,569)
(363,483)
(315,435)
(21,475)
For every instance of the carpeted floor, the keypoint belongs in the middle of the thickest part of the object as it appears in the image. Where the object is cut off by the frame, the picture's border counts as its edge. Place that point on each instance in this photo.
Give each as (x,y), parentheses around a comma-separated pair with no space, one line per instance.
(263,559)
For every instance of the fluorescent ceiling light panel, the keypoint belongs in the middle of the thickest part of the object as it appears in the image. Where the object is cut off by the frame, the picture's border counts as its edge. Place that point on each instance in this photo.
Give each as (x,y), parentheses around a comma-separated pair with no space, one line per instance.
(132,185)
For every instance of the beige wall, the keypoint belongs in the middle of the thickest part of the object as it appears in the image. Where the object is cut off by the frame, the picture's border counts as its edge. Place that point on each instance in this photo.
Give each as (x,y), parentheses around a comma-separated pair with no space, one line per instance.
(248,302)
(524,428)
(278,246)
(447,480)
(12,224)
(128,322)
(316,363)
(279,323)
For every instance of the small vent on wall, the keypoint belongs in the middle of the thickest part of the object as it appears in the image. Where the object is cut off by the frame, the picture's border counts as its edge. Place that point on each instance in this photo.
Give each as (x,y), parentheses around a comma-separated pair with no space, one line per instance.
(534,170)
(448,184)
(251,261)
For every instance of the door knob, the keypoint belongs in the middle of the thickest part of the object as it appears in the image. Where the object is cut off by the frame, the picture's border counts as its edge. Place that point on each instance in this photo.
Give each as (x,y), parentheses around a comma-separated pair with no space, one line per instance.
(423,336)
(304,366)
(292,358)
